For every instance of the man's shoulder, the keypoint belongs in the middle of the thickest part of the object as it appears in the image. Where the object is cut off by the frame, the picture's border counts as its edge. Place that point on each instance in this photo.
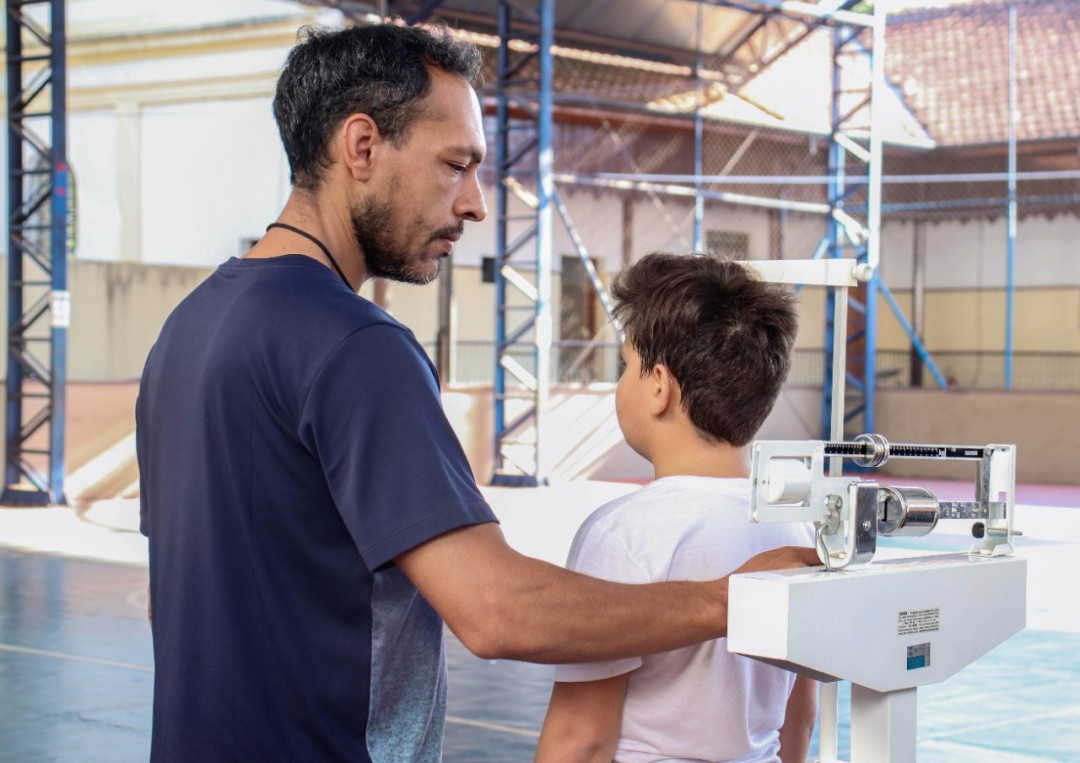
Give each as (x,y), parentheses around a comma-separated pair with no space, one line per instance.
(286,318)
(293,294)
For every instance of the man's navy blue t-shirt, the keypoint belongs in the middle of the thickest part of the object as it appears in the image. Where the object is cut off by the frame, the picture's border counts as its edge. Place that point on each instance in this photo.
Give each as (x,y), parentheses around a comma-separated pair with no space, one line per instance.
(291,443)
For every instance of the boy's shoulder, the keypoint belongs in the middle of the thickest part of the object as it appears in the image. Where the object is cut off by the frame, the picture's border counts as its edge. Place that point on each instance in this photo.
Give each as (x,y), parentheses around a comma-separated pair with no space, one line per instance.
(664,505)
(637,537)
(687,490)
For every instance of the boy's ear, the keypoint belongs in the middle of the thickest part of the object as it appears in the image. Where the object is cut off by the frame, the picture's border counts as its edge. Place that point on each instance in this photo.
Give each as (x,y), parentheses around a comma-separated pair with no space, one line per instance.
(664,388)
(359,136)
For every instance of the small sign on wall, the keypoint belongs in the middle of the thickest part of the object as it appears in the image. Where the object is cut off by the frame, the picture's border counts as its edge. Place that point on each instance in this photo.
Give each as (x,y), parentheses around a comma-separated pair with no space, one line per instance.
(60,306)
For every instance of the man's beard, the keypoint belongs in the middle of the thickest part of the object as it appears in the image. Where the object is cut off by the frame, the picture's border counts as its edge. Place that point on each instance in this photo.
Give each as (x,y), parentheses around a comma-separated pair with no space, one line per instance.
(374,225)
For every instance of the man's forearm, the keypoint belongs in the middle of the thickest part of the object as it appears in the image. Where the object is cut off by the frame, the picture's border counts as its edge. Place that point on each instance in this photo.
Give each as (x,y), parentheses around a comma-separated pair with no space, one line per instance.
(502,604)
(560,616)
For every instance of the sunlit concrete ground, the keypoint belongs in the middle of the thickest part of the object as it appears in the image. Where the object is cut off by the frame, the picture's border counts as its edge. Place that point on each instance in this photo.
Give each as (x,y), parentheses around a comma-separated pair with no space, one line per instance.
(76,669)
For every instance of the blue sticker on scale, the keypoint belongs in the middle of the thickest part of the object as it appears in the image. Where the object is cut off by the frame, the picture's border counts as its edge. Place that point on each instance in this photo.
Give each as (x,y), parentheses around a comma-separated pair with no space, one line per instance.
(918,656)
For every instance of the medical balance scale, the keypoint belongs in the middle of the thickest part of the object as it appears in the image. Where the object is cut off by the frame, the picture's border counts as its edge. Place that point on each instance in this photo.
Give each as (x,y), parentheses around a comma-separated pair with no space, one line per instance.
(889,626)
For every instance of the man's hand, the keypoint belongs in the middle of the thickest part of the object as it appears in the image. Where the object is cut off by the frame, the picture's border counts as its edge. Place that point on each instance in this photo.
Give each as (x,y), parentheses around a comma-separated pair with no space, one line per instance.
(786,557)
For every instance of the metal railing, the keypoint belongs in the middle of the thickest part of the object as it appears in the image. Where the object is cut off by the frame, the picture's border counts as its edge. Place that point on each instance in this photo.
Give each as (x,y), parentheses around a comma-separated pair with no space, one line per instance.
(984,370)
(583,362)
(1031,371)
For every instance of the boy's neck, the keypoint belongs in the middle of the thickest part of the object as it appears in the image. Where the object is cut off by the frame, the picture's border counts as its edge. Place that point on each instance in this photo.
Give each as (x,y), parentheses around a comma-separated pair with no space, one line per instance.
(701,459)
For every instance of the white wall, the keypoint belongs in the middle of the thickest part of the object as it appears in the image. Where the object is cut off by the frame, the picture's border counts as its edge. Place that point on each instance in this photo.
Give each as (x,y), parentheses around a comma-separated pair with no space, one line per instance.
(213,173)
(93,153)
(971,255)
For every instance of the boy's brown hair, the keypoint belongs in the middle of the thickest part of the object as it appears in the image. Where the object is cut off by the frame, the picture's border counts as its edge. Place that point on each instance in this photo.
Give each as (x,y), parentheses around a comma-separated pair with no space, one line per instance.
(725,335)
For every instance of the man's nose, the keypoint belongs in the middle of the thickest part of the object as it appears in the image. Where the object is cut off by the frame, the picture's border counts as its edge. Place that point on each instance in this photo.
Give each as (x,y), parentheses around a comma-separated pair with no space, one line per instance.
(470,203)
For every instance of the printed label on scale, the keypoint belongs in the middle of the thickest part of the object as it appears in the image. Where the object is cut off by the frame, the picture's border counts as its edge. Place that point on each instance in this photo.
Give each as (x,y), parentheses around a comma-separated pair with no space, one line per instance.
(918,621)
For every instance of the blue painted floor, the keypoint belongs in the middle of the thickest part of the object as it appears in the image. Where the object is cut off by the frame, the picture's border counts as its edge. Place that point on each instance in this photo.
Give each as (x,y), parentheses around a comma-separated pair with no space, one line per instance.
(1020,702)
(76,669)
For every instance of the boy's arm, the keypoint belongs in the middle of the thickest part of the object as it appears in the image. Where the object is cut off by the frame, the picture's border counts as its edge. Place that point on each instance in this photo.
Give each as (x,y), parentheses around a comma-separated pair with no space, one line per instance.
(583,721)
(799,721)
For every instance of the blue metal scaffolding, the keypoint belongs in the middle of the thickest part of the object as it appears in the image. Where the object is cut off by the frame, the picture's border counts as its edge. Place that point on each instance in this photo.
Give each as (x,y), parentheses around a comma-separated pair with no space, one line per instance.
(526,196)
(850,234)
(512,435)
(39,304)
(523,243)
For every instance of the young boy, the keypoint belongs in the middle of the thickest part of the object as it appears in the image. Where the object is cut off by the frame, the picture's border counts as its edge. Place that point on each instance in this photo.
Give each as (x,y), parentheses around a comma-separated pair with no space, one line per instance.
(707,350)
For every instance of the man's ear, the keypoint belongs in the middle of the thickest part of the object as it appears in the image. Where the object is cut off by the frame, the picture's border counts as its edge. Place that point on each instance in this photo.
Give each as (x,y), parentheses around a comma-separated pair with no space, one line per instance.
(360,137)
(664,390)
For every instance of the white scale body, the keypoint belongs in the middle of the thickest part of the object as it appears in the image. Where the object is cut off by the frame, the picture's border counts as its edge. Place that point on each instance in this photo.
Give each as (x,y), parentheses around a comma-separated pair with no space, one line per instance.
(889,626)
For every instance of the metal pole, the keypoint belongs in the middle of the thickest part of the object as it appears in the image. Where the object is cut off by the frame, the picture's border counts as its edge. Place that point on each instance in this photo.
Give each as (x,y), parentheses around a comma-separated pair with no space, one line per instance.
(873,219)
(874,171)
(809,207)
(15,185)
(836,355)
(38,240)
(502,201)
(1010,263)
(61,297)
(444,335)
(829,718)
(839,373)
(837,299)
(699,200)
(725,179)
(916,341)
(918,295)
(545,189)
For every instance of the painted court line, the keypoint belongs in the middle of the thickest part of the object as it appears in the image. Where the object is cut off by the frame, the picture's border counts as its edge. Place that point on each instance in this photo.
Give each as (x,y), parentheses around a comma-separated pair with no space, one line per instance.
(493,727)
(1024,719)
(74,658)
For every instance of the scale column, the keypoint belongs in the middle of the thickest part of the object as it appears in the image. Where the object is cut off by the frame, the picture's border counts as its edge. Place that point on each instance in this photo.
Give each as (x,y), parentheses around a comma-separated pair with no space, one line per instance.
(882,725)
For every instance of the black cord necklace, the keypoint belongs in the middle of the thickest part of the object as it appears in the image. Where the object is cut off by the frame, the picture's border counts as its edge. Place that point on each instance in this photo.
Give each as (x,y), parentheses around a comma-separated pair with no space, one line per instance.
(320,244)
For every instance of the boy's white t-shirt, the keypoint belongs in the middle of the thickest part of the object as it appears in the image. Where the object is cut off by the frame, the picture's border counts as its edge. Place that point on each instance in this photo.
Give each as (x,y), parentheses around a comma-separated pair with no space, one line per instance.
(700,703)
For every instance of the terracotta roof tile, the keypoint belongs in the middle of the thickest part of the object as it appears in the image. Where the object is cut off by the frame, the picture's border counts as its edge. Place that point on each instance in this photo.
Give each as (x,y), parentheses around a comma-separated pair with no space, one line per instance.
(953,67)
(951,64)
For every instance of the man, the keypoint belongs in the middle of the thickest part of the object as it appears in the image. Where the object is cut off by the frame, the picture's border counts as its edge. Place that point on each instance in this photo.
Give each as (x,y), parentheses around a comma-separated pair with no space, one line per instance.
(312,518)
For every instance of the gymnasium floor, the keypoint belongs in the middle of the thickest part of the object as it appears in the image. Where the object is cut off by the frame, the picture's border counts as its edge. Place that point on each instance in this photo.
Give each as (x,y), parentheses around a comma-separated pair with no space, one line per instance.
(76,671)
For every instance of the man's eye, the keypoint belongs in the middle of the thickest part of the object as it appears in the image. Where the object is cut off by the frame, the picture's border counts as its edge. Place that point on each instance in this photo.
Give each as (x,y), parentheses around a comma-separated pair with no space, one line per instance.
(457,168)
